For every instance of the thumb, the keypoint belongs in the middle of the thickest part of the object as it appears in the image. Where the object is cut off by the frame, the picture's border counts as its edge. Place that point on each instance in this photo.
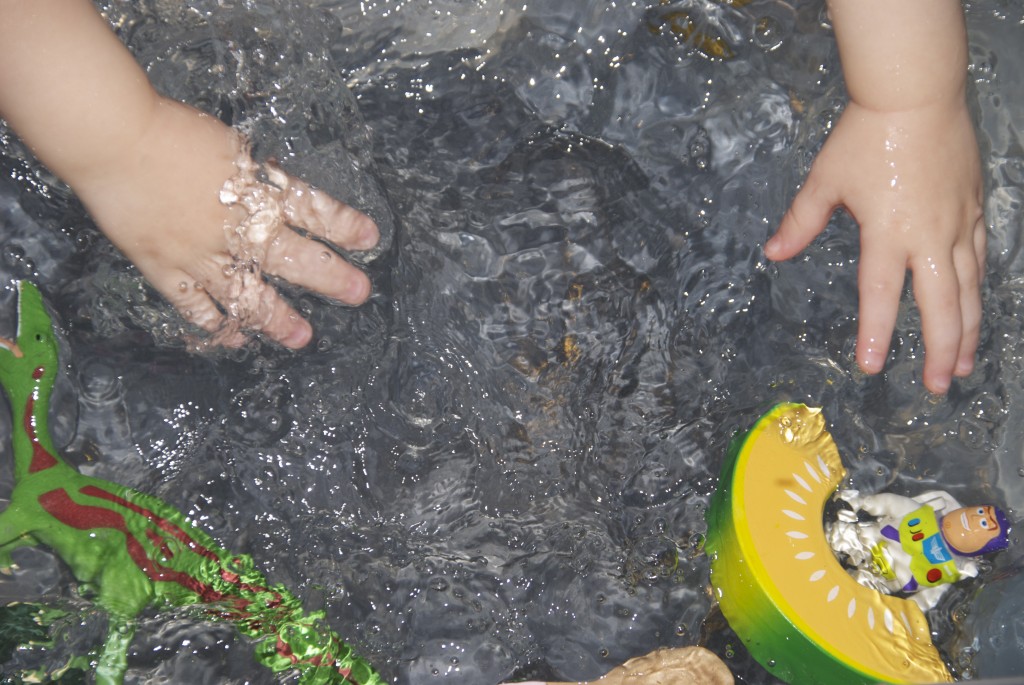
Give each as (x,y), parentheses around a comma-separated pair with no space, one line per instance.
(804,220)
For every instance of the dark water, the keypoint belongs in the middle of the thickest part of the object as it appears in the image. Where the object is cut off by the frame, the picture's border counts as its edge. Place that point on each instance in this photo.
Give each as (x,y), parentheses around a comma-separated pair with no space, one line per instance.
(500,464)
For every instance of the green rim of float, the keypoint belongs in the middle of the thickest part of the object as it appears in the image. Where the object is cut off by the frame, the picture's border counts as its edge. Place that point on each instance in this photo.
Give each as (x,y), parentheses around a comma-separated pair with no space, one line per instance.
(778,583)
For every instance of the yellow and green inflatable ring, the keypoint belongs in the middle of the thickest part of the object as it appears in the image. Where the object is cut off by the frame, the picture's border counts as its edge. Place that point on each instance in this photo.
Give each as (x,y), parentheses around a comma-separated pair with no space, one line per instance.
(777,580)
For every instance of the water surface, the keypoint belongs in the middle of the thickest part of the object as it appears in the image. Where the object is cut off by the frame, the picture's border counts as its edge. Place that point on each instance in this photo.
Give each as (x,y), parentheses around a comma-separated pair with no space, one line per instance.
(500,464)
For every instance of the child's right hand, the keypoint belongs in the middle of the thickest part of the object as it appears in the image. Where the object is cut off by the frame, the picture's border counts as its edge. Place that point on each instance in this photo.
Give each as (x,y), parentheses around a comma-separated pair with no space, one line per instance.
(912,180)
(159,200)
(151,171)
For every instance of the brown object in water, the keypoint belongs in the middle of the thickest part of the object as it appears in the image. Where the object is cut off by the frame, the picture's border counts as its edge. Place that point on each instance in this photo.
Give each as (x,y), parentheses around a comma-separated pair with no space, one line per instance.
(680,666)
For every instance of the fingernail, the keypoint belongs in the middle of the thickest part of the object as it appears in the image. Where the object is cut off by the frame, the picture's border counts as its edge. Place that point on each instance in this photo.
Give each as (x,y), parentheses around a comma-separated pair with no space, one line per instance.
(357,289)
(871,366)
(368,235)
(964,367)
(299,335)
(872,363)
(771,248)
(939,386)
(871,356)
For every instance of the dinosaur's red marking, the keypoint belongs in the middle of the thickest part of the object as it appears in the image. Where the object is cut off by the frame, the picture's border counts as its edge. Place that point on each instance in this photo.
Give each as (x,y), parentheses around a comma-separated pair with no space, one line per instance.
(182,537)
(162,523)
(159,543)
(321,660)
(58,503)
(41,459)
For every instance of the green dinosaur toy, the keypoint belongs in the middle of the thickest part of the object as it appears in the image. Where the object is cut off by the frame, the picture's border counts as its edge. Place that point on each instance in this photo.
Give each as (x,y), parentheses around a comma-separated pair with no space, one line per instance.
(134,549)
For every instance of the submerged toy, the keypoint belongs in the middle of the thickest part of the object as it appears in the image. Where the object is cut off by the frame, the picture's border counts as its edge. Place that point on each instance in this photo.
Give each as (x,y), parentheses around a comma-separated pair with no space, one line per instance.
(663,667)
(134,549)
(699,34)
(779,584)
(916,545)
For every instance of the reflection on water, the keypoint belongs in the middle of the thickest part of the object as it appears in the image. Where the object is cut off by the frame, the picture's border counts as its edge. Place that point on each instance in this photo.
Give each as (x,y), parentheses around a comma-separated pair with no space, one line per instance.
(500,464)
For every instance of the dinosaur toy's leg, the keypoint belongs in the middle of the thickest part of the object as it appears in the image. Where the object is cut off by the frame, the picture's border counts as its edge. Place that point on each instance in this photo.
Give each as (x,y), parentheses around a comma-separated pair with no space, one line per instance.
(114,658)
(15,532)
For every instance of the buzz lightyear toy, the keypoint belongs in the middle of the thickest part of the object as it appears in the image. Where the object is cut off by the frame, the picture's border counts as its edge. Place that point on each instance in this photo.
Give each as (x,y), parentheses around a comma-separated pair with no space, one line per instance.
(915,545)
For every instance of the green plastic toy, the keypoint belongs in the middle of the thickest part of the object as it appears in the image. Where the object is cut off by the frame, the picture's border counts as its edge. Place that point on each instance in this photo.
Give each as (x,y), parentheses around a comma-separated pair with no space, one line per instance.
(135,550)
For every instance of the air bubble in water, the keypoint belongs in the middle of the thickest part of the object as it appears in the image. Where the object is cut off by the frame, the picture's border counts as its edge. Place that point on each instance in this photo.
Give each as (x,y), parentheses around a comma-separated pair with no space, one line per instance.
(768,34)
(700,153)
(14,254)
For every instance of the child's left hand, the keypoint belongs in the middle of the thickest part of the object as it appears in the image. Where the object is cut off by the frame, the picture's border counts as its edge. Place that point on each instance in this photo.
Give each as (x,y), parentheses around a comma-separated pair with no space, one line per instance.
(912,180)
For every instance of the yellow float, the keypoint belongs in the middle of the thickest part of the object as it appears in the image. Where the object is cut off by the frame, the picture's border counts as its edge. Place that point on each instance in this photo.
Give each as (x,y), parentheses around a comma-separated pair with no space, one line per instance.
(777,580)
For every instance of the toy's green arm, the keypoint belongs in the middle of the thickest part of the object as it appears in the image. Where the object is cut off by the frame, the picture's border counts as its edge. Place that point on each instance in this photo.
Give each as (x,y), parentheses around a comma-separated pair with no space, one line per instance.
(14,533)
(114,659)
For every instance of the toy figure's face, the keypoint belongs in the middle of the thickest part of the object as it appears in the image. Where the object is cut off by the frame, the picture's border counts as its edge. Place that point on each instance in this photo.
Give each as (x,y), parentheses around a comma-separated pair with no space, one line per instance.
(968,529)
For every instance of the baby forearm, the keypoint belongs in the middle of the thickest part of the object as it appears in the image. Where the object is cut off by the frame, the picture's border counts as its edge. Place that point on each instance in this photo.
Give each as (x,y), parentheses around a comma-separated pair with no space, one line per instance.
(150,172)
(901,54)
(68,87)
